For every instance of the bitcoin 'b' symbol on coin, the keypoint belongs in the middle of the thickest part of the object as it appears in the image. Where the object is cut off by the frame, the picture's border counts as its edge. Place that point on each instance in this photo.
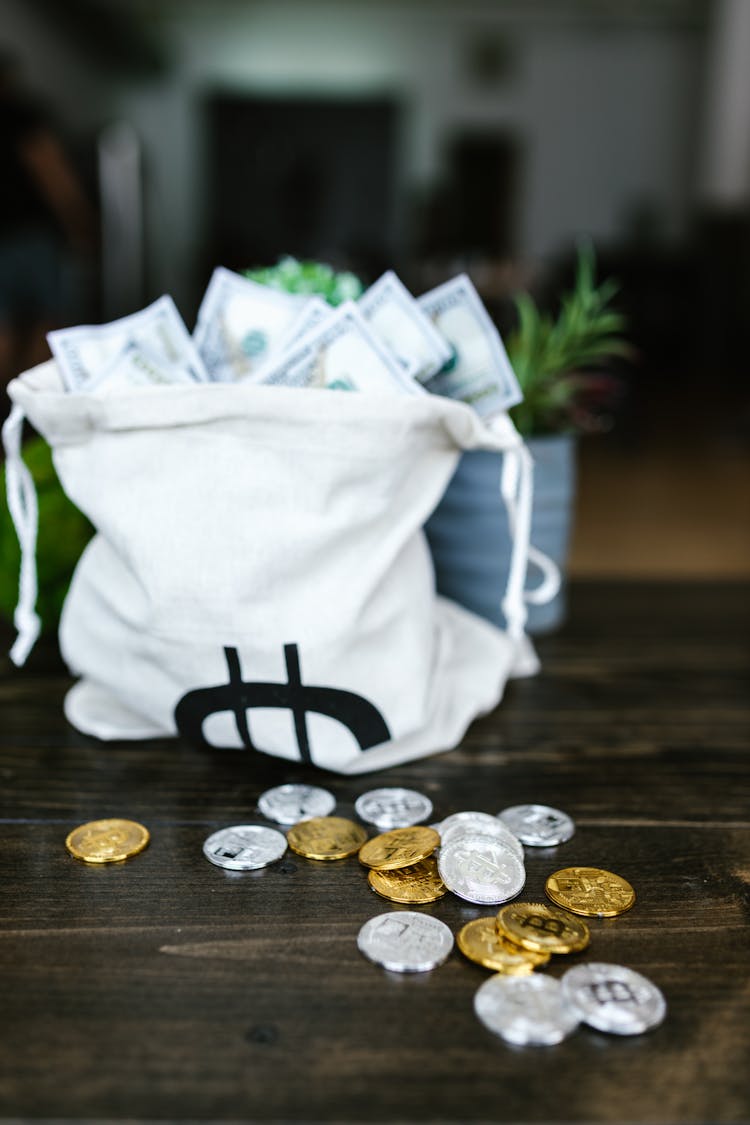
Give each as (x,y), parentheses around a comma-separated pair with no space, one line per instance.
(238,696)
(612,991)
(554,926)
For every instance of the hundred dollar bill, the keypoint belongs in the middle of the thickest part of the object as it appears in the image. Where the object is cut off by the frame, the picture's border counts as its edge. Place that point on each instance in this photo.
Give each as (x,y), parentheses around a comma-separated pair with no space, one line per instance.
(241,323)
(341,353)
(134,368)
(391,310)
(313,312)
(84,355)
(479,371)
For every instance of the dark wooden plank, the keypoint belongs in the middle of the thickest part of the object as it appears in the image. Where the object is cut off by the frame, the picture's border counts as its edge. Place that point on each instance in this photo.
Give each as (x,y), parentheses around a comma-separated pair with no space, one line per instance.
(165,988)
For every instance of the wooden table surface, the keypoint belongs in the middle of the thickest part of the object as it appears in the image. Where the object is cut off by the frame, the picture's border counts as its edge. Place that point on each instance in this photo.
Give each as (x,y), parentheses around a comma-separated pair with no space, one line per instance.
(165,988)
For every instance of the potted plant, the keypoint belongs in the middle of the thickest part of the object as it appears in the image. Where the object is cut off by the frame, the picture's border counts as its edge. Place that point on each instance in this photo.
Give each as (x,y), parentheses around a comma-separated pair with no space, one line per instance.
(560,364)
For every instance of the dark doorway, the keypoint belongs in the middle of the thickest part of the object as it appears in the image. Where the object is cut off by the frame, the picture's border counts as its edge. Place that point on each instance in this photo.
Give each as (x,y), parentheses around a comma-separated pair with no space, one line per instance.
(310,177)
(473,211)
(485,179)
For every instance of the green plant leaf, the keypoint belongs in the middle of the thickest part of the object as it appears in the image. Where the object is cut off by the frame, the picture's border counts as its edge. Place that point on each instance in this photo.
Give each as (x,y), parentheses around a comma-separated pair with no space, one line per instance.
(293,276)
(585,335)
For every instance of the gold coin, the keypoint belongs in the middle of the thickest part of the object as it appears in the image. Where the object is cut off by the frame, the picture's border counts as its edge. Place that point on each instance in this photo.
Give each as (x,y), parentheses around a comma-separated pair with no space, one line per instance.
(401,847)
(590,891)
(543,928)
(415,884)
(326,837)
(480,942)
(107,841)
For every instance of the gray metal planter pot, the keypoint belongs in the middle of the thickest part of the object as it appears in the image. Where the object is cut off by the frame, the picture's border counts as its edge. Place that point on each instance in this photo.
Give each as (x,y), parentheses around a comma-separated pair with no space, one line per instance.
(468,531)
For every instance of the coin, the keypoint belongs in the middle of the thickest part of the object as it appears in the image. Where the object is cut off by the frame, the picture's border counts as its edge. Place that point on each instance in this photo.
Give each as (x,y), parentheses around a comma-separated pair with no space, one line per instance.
(416,884)
(107,841)
(614,998)
(393,808)
(590,891)
(288,804)
(525,1010)
(486,826)
(470,818)
(405,942)
(326,837)
(401,847)
(244,847)
(538,826)
(481,869)
(480,942)
(535,925)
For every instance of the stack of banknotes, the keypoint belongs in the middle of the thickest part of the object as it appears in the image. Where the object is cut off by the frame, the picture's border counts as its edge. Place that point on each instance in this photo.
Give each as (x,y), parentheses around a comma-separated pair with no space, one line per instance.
(387,341)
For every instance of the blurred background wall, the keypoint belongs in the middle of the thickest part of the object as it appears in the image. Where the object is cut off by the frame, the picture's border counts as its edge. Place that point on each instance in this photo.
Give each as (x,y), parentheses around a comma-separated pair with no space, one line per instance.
(430,136)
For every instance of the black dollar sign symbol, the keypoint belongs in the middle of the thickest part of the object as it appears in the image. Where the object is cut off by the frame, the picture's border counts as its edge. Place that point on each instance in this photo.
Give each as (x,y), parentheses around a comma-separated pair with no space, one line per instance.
(360,716)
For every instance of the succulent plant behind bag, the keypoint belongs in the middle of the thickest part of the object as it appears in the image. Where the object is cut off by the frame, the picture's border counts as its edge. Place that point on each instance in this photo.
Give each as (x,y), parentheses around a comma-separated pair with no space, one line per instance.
(318,278)
(558,361)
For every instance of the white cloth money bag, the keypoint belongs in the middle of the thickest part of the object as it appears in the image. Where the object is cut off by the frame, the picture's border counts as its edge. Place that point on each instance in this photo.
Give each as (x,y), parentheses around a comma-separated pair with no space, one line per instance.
(259,576)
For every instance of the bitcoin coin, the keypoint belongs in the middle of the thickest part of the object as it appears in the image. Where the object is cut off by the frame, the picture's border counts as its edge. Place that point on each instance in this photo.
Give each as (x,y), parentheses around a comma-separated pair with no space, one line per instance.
(401,847)
(288,804)
(393,808)
(590,891)
(481,869)
(614,998)
(107,841)
(479,824)
(417,884)
(537,926)
(326,837)
(244,847)
(480,942)
(525,1010)
(538,826)
(472,820)
(405,942)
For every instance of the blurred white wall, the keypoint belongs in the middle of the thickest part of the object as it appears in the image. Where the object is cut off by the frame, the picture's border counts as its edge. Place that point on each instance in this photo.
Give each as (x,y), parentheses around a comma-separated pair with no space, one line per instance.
(725,168)
(607,113)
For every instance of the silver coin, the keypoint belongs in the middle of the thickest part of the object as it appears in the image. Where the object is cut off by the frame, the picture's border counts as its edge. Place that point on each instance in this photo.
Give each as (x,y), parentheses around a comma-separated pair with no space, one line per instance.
(393,808)
(470,819)
(481,869)
(487,826)
(244,847)
(613,998)
(289,804)
(525,1010)
(405,942)
(538,826)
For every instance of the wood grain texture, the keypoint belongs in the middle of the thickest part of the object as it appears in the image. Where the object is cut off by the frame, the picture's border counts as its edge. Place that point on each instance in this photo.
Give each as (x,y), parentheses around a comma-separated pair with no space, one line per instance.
(167,989)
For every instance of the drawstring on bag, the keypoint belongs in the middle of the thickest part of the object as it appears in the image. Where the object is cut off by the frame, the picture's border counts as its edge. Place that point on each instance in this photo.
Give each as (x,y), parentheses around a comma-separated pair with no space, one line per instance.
(516,486)
(24,512)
